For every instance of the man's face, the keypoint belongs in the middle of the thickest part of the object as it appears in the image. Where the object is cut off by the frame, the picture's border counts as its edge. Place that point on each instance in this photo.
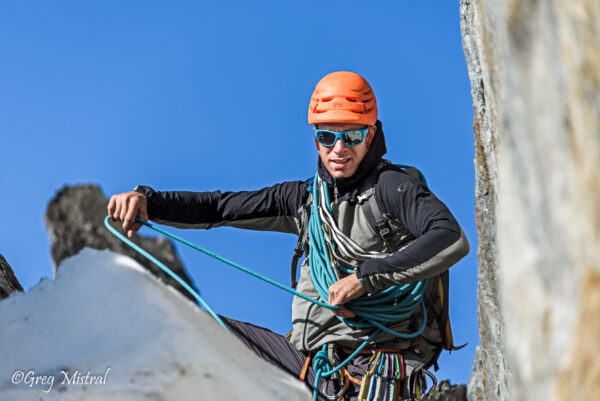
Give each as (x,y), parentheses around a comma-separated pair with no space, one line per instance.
(340,160)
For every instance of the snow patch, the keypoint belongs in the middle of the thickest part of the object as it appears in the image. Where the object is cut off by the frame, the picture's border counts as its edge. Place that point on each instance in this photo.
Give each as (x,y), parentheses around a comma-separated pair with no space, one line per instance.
(105,328)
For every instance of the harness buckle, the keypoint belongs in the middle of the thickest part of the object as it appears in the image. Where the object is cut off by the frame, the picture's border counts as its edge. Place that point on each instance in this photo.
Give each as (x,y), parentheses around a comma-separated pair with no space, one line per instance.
(384,231)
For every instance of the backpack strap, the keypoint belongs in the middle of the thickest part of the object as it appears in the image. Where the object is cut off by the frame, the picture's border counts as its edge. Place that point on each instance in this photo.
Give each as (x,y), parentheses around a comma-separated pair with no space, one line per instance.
(373,213)
(301,244)
(299,250)
(371,209)
(376,219)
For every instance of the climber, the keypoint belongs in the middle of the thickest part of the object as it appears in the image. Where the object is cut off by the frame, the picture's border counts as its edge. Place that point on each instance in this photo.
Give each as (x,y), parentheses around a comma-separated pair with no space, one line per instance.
(384,228)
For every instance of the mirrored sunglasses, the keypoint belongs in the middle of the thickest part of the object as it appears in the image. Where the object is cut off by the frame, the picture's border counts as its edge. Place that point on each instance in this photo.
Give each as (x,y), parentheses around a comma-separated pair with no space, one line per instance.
(351,137)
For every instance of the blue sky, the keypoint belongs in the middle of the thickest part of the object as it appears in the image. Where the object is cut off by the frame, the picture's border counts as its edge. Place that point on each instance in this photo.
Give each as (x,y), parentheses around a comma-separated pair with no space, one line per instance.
(186,95)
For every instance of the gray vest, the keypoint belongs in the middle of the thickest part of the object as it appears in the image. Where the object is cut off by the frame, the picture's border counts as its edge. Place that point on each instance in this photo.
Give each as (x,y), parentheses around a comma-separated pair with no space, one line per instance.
(314,326)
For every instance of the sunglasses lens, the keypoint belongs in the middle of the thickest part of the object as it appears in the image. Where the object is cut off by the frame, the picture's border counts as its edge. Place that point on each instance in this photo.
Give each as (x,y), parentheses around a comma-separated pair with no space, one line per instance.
(352,138)
(326,138)
(349,138)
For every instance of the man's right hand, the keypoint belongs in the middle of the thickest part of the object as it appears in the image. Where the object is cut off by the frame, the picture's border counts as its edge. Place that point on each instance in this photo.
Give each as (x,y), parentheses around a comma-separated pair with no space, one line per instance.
(126,207)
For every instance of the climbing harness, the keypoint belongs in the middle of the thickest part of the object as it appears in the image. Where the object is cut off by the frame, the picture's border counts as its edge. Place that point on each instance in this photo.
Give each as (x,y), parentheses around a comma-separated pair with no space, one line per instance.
(328,247)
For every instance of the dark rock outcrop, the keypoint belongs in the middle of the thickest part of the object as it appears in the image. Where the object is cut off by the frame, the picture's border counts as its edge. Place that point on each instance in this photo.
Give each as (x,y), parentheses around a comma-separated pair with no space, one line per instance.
(75,219)
(447,392)
(8,280)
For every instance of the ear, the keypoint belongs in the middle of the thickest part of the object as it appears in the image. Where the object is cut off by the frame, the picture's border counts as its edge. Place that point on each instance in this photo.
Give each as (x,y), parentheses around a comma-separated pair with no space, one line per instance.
(371,134)
(317,143)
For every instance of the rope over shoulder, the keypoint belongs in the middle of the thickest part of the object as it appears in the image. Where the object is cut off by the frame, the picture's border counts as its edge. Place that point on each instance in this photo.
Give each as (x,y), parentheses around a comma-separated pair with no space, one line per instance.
(388,306)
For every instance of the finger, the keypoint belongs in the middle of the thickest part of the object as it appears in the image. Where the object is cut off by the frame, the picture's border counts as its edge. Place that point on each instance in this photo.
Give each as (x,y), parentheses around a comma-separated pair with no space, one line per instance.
(144,211)
(336,298)
(132,209)
(123,211)
(344,312)
(349,313)
(333,298)
(111,207)
(117,212)
(133,229)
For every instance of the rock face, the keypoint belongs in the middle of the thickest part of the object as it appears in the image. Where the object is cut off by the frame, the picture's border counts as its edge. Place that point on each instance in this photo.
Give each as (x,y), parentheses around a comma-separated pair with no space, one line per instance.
(447,392)
(106,329)
(489,371)
(75,219)
(535,79)
(8,280)
(475,387)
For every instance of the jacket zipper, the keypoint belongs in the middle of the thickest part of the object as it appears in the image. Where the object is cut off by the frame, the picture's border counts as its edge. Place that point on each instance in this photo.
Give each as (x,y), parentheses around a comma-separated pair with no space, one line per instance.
(335,193)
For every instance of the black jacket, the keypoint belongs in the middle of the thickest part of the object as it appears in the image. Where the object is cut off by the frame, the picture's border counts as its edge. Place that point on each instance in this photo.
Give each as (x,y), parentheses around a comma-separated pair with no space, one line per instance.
(430,238)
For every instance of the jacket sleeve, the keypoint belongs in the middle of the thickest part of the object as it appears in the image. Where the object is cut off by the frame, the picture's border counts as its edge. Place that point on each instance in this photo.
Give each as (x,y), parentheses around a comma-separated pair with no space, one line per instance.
(439,241)
(269,209)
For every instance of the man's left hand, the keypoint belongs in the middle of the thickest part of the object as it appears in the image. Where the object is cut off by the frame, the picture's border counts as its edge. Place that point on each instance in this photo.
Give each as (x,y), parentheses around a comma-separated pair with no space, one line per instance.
(342,291)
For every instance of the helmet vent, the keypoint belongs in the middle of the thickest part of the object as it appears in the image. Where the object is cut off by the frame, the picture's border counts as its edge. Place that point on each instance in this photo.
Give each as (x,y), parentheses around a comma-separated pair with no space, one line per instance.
(342,97)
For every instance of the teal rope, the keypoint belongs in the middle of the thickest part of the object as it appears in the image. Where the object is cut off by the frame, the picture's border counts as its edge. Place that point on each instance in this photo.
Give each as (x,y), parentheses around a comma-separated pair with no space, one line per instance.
(212,255)
(391,305)
(165,269)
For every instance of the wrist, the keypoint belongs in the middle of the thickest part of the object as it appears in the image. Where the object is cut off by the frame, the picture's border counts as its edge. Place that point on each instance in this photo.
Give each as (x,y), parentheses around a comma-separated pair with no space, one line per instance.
(149,194)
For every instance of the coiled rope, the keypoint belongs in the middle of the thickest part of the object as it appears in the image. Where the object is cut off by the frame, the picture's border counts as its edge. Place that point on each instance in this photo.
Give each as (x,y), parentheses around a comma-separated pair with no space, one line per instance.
(388,306)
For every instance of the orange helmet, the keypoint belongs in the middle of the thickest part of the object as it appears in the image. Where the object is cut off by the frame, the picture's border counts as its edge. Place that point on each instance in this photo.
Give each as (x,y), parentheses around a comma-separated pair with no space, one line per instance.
(342,97)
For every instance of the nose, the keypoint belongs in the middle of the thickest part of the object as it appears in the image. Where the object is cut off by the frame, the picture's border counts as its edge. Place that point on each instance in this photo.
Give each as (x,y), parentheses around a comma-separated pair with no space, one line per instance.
(338,146)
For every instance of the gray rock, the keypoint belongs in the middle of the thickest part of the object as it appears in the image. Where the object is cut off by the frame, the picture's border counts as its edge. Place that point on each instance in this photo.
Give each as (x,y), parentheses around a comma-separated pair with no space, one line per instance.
(447,392)
(535,80)
(477,39)
(476,386)
(75,219)
(8,280)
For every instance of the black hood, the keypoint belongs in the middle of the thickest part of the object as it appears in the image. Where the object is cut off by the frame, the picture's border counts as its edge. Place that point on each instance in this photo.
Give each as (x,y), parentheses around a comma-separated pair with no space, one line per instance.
(366,167)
